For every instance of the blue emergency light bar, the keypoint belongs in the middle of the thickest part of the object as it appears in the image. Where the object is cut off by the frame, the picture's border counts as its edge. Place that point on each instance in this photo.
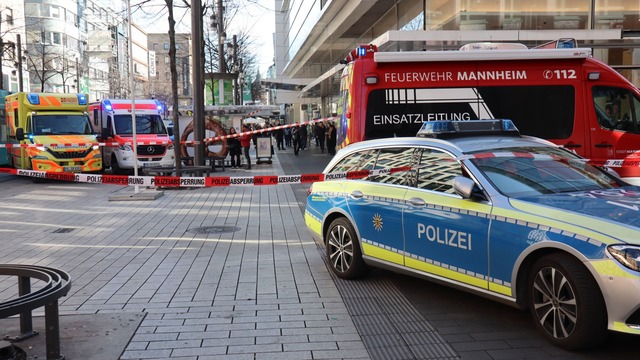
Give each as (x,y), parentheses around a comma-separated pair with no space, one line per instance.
(82,99)
(158,105)
(448,128)
(33,98)
(107,105)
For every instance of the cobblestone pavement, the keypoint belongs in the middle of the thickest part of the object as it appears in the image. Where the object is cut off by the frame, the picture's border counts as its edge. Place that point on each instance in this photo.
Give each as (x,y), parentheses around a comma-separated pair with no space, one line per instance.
(221,273)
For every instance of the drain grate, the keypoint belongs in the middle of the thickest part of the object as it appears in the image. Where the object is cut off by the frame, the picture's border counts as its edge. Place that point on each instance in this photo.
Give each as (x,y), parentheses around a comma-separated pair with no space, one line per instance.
(62,230)
(214,229)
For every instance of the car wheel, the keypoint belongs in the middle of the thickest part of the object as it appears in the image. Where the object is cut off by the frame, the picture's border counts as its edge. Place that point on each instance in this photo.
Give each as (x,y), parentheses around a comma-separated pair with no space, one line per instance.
(115,167)
(566,303)
(343,250)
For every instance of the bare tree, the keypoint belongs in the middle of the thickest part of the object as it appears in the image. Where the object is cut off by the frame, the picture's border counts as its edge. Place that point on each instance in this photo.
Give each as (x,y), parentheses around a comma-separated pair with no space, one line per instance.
(42,62)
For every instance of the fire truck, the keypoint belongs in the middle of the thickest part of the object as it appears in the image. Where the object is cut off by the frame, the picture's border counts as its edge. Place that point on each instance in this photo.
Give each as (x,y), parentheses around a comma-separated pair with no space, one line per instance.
(51,132)
(557,92)
(113,118)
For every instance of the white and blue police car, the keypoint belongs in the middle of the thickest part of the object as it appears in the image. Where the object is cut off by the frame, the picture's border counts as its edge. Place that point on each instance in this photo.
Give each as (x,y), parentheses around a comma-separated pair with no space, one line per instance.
(477,206)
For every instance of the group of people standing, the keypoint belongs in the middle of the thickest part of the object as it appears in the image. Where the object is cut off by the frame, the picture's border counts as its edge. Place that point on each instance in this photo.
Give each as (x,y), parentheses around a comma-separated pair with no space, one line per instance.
(297,136)
(321,132)
(238,145)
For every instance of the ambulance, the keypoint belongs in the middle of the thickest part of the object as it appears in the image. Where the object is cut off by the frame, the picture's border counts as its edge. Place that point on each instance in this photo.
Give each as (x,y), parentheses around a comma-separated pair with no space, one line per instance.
(113,118)
(51,132)
(561,94)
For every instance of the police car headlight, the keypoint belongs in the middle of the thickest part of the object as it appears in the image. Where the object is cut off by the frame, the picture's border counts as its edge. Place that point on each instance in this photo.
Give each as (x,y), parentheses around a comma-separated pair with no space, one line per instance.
(627,255)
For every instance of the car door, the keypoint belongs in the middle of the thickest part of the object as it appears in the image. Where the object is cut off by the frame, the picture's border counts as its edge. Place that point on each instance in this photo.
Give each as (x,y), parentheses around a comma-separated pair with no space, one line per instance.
(376,203)
(446,235)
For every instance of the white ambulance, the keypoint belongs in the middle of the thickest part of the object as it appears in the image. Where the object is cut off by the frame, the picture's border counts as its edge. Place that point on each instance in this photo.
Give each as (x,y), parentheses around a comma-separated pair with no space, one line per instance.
(113,118)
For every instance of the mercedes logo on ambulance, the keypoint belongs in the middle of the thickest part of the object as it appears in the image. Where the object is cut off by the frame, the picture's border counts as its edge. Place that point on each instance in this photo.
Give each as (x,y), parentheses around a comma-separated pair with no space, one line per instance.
(151,149)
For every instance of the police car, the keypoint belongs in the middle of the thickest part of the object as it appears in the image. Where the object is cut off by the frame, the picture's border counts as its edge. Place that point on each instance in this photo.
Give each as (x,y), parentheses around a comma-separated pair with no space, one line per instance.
(477,206)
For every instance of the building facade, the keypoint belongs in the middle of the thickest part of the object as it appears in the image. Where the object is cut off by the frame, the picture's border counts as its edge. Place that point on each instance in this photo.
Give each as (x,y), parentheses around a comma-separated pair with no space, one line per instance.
(313,36)
(159,85)
(72,46)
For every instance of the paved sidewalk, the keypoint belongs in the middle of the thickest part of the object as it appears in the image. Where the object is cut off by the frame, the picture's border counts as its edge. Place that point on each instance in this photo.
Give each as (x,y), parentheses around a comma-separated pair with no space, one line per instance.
(221,273)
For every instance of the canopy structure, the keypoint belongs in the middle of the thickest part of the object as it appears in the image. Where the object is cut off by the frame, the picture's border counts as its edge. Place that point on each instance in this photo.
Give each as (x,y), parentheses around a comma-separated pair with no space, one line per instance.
(253,120)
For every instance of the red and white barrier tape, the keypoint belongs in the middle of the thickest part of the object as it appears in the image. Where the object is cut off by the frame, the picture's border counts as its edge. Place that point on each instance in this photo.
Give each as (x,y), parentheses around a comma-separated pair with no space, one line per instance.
(130,143)
(208,181)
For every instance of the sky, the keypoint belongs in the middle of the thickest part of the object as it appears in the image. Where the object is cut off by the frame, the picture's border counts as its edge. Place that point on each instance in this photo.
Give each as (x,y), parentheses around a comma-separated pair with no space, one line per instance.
(256,17)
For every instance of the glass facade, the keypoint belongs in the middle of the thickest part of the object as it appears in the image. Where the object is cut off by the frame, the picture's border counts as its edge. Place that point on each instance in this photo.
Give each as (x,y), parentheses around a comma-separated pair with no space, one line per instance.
(480,15)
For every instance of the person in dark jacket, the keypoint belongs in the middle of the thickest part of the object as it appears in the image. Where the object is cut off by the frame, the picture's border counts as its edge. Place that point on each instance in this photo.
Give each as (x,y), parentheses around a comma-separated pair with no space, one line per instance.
(332,137)
(279,137)
(295,135)
(303,136)
(234,148)
(320,135)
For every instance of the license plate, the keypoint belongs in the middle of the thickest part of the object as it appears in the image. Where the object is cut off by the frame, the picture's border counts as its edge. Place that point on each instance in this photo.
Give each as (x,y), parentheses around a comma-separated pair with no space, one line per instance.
(72,168)
(150,165)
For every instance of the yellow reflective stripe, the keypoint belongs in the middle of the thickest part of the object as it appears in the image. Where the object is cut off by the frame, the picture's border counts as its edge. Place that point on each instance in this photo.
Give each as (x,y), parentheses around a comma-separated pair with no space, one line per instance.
(501,289)
(313,224)
(611,268)
(387,255)
(446,273)
(566,222)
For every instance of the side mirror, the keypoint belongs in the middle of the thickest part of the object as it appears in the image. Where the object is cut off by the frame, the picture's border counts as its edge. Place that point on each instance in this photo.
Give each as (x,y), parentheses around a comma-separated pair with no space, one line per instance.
(467,188)
(19,134)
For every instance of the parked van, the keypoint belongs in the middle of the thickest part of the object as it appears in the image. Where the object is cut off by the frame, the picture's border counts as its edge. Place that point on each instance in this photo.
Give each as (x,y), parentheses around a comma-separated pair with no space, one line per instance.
(561,94)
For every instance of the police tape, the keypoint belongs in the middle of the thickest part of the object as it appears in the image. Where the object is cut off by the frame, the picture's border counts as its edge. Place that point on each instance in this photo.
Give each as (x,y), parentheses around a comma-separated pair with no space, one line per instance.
(265,130)
(189,142)
(208,181)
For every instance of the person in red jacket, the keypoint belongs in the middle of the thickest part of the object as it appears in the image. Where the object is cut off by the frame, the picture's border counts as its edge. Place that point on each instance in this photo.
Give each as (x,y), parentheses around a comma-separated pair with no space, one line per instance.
(245,142)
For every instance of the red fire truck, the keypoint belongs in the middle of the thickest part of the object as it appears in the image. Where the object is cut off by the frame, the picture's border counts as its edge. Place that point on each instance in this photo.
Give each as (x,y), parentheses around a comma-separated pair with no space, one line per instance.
(561,94)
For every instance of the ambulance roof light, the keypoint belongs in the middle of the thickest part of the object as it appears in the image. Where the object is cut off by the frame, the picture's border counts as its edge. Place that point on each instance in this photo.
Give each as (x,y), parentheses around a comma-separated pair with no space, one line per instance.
(33,98)
(82,99)
(158,105)
(443,128)
(107,105)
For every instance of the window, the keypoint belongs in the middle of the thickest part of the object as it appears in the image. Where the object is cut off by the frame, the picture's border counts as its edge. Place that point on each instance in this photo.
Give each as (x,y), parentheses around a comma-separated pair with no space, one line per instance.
(166,46)
(389,159)
(436,170)
(616,108)
(56,38)
(155,46)
(56,12)
(542,111)
(352,161)
(9,16)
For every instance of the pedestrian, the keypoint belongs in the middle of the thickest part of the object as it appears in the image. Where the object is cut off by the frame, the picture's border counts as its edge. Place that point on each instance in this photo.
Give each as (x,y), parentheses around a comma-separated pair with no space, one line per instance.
(303,136)
(295,135)
(321,135)
(245,142)
(287,137)
(332,137)
(279,137)
(234,148)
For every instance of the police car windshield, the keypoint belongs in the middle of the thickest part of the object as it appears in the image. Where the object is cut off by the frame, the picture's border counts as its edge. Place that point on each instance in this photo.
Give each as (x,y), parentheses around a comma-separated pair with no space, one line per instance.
(521,172)
(54,124)
(145,124)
